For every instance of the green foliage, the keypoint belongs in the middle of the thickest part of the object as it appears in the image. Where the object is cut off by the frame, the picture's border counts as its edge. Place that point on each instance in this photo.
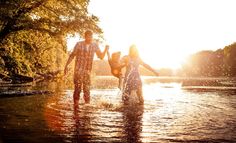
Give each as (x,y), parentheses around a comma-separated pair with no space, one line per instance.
(212,63)
(230,59)
(33,33)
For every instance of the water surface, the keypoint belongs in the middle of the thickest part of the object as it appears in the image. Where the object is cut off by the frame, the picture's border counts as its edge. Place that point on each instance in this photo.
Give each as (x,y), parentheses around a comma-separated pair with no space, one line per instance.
(171,113)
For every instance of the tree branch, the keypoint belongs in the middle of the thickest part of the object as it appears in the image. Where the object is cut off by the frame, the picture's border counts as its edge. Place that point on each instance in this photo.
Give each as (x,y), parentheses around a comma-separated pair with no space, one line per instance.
(9,26)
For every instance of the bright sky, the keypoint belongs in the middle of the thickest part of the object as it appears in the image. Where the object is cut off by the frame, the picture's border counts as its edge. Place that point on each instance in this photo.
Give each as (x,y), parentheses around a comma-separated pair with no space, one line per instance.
(165,31)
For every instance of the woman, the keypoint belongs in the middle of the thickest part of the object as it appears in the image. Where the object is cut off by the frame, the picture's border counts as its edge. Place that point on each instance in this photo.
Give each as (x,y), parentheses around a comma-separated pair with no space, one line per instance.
(132,82)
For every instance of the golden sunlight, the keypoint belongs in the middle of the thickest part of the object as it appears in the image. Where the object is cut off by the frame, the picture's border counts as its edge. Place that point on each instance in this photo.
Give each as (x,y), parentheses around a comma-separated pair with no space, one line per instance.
(156,56)
(164,37)
(165,32)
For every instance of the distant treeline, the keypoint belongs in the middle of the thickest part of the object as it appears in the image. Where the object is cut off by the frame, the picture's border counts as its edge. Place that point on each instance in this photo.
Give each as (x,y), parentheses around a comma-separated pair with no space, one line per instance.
(221,62)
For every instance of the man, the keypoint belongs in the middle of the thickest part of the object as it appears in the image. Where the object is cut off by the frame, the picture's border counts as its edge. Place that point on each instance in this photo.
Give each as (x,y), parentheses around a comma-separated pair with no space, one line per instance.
(84,53)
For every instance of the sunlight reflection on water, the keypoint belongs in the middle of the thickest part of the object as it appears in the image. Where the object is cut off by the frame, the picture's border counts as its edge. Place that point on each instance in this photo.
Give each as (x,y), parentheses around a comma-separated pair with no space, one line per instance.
(169,113)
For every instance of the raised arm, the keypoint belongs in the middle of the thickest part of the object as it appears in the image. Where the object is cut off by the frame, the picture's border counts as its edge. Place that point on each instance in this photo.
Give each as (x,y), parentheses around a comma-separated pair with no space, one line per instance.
(100,54)
(149,68)
(108,55)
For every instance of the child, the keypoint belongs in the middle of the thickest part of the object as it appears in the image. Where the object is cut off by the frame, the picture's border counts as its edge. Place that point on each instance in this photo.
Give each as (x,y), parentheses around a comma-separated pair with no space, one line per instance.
(114,62)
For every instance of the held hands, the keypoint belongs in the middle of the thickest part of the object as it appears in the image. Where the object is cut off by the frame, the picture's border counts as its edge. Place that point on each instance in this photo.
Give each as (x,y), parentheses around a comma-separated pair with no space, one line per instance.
(107,47)
(107,51)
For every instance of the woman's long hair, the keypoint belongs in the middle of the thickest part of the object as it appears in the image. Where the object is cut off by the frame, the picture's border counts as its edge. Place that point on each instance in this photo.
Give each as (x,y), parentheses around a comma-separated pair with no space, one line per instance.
(133,51)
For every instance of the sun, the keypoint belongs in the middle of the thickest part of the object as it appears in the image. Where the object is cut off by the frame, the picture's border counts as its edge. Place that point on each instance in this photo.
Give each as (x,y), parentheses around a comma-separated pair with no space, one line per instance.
(160,56)
(165,32)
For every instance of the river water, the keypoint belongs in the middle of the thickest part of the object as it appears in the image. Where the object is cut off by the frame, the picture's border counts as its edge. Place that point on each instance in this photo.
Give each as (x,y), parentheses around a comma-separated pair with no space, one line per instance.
(171,113)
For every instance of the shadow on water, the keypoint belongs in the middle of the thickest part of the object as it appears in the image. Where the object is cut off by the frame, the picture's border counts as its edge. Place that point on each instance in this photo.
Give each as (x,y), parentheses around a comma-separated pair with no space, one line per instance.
(82,126)
(132,119)
(171,113)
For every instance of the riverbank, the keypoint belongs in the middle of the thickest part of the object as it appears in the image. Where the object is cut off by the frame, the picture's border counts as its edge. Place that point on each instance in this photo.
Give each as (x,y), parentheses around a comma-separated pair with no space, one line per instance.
(9,89)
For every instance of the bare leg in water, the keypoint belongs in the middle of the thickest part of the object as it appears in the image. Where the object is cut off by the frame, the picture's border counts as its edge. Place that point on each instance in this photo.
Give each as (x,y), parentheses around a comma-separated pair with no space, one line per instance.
(140,95)
(76,94)
(86,88)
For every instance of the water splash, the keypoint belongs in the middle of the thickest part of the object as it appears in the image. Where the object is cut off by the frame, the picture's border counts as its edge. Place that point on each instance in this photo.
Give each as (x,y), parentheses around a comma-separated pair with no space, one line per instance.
(168,115)
(133,97)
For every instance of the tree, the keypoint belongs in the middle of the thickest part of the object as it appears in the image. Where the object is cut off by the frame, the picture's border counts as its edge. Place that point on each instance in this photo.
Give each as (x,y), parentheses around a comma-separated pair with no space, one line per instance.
(230,59)
(205,63)
(33,31)
(221,62)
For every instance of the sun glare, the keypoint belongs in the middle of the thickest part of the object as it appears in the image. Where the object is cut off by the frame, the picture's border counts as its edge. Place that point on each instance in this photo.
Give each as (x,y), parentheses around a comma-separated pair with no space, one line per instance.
(165,32)
(155,56)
